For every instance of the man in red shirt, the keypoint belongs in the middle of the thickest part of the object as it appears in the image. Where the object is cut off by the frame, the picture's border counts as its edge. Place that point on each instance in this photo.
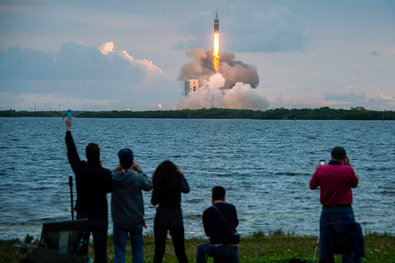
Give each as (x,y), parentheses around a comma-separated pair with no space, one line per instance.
(335,181)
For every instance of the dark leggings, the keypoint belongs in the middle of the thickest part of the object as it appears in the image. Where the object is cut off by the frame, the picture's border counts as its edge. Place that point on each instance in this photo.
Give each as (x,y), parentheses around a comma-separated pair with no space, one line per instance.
(99,232)
(177,236)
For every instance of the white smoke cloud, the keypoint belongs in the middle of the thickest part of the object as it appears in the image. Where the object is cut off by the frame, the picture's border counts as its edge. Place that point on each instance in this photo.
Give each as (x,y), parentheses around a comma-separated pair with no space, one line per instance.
(243,96)
(234,87)
(213,95)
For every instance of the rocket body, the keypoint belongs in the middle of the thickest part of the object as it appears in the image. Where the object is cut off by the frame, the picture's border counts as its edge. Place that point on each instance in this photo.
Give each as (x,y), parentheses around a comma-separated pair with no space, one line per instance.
(216,24)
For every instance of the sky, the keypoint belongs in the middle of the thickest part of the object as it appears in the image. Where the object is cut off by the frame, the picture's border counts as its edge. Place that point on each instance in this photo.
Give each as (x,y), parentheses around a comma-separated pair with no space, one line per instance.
(124,54)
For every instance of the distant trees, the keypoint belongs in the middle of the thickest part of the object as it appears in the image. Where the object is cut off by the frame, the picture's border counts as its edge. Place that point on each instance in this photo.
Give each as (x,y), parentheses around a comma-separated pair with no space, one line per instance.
(323,113)
(14,113)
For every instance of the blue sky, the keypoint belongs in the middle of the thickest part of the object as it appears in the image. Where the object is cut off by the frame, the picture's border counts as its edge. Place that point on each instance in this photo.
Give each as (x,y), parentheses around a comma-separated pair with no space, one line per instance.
(105,55)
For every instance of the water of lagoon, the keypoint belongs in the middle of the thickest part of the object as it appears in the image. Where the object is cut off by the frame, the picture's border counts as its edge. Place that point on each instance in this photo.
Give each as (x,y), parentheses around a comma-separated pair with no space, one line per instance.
(265,165)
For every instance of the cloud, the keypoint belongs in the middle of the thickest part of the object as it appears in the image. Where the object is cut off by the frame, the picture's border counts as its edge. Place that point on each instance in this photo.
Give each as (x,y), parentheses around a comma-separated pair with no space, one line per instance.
(106,48)
(285,100)
(346,97)
(149,65)
(377,101)
(45,101)
(74,62)
(262,28)
(380,97)
(84,74)
(375,53)
(380,101)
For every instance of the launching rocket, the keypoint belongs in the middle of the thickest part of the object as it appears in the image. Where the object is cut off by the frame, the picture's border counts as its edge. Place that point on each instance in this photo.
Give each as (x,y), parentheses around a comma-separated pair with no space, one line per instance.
(216,43)
(216,23)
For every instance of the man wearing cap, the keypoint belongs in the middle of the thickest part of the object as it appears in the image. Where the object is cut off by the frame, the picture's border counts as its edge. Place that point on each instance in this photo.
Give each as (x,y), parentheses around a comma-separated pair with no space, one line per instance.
(335,181)
(93,182)
(127,206)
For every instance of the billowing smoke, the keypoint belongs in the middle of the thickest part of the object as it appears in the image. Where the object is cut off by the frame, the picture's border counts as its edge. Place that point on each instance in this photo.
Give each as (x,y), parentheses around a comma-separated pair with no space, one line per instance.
(234,87)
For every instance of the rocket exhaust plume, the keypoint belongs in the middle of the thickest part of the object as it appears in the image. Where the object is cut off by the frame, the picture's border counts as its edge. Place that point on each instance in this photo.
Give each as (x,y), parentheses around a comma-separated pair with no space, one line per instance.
(232,87)
(216,44)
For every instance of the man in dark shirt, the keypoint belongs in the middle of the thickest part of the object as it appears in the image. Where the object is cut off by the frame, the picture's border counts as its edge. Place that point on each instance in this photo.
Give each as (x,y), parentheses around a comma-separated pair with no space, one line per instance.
(221,229)
(93,182)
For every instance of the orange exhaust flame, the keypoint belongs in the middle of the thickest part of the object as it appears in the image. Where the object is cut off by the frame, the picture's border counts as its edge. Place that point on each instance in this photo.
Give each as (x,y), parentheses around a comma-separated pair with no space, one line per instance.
(216,52)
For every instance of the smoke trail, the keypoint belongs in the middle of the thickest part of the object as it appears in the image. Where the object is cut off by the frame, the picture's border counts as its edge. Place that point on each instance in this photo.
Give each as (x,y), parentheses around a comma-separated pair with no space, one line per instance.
(213,95)
(233,87)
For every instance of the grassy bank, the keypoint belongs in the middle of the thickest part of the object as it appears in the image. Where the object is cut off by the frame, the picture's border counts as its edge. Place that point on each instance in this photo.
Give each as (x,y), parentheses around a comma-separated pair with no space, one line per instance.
(275,247)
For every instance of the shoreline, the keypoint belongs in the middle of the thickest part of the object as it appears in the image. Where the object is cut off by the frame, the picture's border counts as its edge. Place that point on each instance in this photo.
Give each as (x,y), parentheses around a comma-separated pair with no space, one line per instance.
(323,113)
(259,247)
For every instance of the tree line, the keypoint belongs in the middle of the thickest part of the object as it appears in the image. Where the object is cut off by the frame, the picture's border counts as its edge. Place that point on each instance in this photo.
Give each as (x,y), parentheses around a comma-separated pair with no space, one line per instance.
(323,113)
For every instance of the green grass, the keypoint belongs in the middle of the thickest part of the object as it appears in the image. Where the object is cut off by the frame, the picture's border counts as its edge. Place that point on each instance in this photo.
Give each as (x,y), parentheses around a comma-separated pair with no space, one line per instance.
(276,247)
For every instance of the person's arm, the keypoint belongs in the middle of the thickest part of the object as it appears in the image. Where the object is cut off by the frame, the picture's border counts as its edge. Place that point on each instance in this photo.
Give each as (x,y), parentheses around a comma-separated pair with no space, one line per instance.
(154,197)
(145,182)
(236,219)
(354,179)
(314,182)
(205,223)
(72,153)
(185,186)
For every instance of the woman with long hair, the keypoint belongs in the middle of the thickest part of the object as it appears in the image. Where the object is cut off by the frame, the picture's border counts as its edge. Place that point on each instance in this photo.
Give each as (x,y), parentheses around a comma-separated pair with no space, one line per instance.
(169,183)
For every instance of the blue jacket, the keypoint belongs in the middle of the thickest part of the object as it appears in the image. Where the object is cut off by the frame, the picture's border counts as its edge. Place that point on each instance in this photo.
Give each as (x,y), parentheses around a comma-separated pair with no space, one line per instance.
(342,238)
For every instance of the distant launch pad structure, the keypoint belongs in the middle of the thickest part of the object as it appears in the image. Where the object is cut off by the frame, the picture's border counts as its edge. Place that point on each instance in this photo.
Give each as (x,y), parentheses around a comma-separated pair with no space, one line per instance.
(191,85)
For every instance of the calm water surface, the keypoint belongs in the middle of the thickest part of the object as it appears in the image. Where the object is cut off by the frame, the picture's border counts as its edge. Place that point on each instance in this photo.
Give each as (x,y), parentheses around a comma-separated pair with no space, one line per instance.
(264,165)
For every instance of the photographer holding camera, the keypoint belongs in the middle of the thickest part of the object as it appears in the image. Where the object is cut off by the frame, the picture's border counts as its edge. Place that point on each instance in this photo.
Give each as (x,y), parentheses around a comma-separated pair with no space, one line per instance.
(220,222)
(335,181)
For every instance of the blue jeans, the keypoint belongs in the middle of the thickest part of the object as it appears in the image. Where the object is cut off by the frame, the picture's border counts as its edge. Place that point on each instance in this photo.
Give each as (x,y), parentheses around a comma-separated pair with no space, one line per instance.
(120,235)
(331,215)
(221,254)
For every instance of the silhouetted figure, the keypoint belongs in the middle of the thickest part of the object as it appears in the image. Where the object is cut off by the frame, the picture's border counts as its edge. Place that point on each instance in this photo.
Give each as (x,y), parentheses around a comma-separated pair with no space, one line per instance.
(220,222)
(93,182)
(169,183)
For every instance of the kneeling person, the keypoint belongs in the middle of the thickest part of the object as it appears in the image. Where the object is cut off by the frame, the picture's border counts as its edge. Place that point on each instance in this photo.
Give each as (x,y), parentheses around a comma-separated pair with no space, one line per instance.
(220,222)
(127,206)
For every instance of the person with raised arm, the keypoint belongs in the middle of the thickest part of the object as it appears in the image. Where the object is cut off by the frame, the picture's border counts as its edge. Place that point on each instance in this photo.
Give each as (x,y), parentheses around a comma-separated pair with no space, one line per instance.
(93,182)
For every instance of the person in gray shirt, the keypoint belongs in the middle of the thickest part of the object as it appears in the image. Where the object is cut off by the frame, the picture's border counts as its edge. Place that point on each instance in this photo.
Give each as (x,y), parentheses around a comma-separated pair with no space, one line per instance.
(127,206)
